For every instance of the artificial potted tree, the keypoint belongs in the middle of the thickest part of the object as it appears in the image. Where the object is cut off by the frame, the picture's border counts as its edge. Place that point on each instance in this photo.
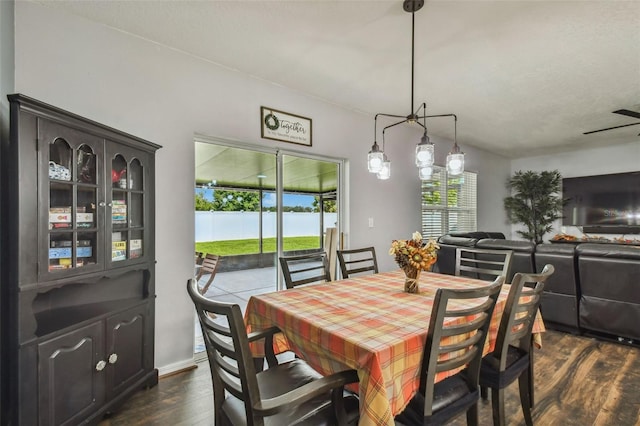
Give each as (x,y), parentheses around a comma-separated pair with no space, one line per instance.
(535,202)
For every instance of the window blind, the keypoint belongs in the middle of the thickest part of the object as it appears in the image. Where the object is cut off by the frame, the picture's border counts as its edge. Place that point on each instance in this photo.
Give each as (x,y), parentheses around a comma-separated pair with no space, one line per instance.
(449,204)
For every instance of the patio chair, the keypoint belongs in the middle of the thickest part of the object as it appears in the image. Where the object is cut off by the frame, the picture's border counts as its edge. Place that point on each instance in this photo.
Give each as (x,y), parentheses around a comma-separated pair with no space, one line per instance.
(305,269)
(512,358)
(291,393)
(438,403)
(209,266)
(357,261)
(483,264)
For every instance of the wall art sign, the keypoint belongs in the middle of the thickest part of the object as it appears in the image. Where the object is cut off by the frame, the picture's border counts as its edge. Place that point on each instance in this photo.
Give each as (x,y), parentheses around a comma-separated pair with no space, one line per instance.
(286,127)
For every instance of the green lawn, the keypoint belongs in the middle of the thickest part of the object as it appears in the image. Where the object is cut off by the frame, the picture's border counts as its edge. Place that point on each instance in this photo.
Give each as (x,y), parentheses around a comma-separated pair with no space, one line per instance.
(250,246)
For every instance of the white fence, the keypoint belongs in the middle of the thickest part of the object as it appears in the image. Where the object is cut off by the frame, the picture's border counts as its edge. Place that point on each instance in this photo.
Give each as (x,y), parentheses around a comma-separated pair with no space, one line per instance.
(221,226)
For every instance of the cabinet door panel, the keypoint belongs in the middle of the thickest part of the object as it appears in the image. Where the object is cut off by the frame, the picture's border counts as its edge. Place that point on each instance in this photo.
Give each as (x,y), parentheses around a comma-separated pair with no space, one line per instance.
(70,163)
(71,387)
(128,220)
(126,345)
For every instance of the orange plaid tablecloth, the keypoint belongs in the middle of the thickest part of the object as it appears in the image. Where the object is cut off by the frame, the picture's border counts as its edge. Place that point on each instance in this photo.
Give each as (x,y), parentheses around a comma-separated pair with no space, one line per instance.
(366,323)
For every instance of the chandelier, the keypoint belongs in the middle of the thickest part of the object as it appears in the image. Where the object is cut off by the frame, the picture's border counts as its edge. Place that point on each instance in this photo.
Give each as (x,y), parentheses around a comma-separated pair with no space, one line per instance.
(379,163)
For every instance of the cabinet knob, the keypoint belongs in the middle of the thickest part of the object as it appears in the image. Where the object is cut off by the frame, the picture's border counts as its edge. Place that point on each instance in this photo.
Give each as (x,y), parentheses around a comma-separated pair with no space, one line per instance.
(101,204)
(100,365)
(113,358)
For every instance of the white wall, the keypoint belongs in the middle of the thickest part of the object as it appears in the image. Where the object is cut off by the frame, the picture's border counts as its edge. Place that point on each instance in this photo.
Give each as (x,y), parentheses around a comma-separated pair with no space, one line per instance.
(595,161)
(165,96)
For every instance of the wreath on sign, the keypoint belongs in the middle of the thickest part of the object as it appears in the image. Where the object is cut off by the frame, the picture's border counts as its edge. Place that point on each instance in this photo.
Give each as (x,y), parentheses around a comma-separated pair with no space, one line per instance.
(271,121)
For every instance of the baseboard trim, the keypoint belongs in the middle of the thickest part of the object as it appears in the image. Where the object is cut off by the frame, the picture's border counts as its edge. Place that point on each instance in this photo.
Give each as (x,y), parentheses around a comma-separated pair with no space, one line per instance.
(177,367)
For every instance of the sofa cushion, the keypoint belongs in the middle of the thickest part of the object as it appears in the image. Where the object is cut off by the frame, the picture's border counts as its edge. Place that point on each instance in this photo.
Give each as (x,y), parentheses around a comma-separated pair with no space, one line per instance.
(619,251)
(609,275)
(522,259)
(563,258)
(500,244)
(566,249)
(458,241)
(562,290)
(478,234)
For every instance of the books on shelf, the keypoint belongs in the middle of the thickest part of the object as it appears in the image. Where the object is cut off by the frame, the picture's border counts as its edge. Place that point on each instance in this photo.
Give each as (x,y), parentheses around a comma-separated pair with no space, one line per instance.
(136,248)
(67,243)
(65,252)
(61,217)
(118,251)
(66,263)
(119,211)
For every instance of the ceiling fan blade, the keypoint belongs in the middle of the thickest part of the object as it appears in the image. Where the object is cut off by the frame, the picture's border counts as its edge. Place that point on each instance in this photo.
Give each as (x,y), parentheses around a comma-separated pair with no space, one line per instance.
(628,113)
(610,128)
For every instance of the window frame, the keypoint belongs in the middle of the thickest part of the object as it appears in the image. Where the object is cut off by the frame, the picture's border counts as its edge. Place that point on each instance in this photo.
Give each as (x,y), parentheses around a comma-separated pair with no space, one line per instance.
(441,216)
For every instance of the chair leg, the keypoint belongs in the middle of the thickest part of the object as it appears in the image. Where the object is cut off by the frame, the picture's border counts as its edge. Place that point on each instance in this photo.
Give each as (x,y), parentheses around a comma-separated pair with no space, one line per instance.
(484,393)
(258,364)
(204,289)
(525,397)
(531,376)
(497,405)
(472,415)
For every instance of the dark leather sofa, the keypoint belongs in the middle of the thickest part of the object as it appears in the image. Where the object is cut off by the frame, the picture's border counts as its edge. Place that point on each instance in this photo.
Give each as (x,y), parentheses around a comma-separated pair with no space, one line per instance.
(594,290)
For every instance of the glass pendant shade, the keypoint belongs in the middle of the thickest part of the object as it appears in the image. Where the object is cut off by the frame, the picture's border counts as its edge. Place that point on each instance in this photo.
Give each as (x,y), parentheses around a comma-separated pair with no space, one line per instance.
(385,171)
(425,173)
(424,152)
(375,159)
(455,163)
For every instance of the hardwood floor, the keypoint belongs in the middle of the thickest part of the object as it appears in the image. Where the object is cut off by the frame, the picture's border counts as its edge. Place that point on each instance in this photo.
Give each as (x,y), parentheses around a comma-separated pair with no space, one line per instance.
(579,381)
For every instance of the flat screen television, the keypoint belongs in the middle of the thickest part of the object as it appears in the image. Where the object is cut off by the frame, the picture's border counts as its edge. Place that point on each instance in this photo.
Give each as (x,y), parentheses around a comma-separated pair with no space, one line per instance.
(607,204)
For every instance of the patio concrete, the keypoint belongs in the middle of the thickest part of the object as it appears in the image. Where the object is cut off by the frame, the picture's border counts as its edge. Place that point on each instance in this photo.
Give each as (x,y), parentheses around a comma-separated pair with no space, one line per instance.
(236,287)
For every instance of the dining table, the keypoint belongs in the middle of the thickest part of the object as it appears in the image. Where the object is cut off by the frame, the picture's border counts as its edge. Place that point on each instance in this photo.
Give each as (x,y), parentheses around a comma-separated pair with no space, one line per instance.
(367,323)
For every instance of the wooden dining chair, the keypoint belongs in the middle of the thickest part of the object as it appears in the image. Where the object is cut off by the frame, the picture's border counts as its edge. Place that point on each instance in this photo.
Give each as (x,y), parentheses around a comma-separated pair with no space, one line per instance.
(209,265)
(457,332)
(283,394)
(483,264)
(305,269)
(357,261)
(512,357)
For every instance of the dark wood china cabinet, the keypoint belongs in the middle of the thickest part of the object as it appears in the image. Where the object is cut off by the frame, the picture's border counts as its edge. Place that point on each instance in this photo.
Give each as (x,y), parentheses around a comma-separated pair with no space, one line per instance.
(78,265)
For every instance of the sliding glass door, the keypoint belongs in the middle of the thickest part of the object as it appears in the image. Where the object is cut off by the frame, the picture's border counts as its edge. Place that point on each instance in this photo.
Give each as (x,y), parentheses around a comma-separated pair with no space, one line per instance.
(255,204)
(310,217)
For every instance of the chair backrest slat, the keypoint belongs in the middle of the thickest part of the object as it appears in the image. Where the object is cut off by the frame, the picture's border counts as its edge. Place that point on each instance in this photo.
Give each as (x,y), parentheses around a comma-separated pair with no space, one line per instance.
(484,264)
(305,269)
(357,261)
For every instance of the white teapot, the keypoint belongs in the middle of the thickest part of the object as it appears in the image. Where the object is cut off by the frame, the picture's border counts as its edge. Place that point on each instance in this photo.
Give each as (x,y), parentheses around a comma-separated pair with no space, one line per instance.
(57,171)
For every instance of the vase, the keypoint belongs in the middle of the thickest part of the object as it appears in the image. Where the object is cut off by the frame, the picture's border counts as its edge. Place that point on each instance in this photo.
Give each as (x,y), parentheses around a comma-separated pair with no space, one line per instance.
(412,275)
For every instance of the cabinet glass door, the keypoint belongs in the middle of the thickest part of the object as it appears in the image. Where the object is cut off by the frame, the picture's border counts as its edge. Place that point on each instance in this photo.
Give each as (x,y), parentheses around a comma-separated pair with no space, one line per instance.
(74,193)
(127,206)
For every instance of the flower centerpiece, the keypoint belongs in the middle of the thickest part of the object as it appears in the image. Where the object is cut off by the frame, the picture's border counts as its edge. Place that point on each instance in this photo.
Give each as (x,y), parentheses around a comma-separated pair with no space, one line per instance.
(414,256)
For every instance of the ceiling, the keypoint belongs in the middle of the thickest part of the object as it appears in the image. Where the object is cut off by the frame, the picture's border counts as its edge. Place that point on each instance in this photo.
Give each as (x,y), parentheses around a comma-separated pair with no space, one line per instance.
(523,77)
(217,166)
